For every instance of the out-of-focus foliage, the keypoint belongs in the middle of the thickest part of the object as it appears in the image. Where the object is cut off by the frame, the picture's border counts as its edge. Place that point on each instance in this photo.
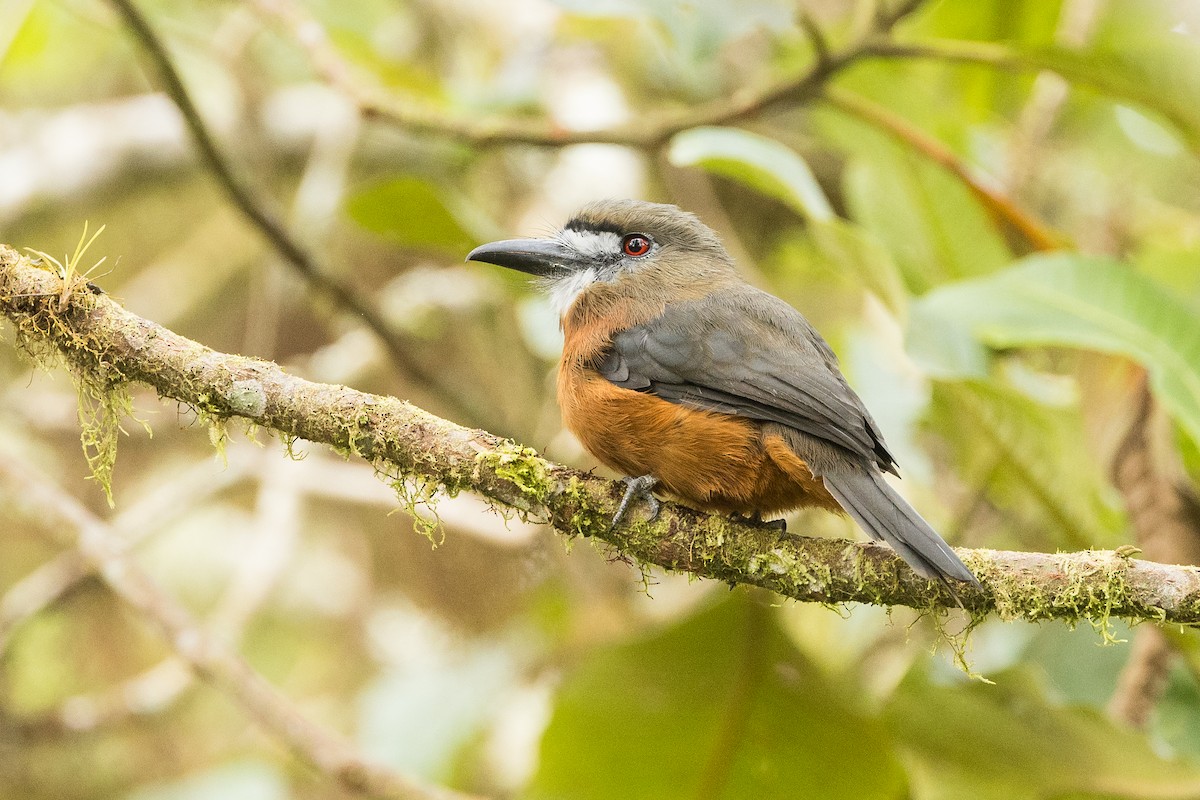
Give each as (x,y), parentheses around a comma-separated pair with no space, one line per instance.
(1073,302)
(719,687)
(502,662)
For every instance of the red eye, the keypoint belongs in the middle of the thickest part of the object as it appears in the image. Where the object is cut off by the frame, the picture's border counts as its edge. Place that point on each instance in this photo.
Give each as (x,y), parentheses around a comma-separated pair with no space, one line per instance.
(635,244)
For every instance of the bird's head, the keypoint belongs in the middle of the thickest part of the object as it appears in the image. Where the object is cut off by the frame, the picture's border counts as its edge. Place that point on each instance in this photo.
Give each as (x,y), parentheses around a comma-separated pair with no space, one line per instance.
(627,244)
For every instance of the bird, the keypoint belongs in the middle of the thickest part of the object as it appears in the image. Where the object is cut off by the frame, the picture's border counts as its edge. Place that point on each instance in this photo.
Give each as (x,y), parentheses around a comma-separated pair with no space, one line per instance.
(690,381)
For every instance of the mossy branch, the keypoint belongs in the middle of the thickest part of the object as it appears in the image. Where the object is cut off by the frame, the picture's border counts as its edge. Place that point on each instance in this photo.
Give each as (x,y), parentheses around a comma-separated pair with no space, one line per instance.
(107,345)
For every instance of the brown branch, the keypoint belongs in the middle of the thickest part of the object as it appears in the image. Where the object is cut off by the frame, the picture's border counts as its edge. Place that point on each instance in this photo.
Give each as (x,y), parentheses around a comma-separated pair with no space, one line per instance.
(1143,679)
(1039,235)
(1162,508)
(260,214)
(649,132)
(206,654)
(106,345)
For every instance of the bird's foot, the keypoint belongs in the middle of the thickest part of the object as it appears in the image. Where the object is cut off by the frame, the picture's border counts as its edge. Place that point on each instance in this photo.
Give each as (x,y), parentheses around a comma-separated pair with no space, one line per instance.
(778,524)
(640,488)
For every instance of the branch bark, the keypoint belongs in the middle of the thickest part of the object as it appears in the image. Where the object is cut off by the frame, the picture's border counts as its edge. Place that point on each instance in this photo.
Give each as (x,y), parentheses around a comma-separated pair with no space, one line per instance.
(106,346)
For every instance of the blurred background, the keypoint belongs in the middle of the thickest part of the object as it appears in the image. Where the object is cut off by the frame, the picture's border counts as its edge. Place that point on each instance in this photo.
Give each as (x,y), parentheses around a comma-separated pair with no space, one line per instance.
(990,208)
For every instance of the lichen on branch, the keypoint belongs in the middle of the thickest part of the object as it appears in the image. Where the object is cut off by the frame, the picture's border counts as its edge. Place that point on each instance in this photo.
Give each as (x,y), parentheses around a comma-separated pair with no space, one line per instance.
(94,336)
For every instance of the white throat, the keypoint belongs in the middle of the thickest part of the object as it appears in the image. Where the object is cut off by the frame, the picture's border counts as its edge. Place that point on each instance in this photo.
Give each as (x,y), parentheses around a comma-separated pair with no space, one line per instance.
(563,291)
(596,245)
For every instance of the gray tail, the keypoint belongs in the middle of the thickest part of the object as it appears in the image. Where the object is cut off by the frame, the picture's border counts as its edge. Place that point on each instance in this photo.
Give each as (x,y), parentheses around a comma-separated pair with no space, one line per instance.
(885,516)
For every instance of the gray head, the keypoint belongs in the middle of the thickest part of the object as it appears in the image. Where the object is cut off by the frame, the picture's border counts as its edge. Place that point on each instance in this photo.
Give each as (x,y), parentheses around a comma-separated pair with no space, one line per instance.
(614,241)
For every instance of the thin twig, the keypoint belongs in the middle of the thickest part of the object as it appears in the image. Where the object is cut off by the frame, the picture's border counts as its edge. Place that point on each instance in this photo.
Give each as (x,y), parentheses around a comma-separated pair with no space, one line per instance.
(105,343)
(258,211)
(649,132)
(1039,235)
(156,689)
(813,31)
(207,655)
(54,579)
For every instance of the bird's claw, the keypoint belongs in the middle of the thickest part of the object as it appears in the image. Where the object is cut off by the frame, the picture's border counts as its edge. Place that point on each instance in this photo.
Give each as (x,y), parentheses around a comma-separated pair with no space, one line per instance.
(637,488)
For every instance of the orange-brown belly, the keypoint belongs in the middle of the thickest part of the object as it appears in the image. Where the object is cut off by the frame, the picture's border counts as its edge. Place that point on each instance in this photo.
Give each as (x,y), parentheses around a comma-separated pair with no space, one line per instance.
(714,461)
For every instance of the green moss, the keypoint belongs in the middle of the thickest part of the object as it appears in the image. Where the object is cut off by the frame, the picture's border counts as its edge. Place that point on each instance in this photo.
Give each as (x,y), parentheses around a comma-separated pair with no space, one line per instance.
(588,520)
(416,494)
(289,447)
(101,408)
(1093,594)
(523,467)
(354,429)
(104,399)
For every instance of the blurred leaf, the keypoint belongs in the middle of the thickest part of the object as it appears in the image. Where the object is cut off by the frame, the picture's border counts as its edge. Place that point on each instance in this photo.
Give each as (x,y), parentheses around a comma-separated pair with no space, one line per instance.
(847,247)
(1162,75)
(1007,742)
(246,780)
(410,212)
(1026,458)
(719,706)
(1067,300)
(757,161)
(1176,720)
(778,171)
(992,20)
(418,718)
(927,219)
(1056,651)
(699,26)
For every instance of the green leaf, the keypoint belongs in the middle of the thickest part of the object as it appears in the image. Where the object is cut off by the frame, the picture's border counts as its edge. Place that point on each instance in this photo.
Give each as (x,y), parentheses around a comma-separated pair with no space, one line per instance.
(410,212)
(721,706)
(1008,742)
(1066,300)
(1024,456)
(927,218)
(757,161)
(1162,76)
(778,171)
(1160,73)
(846,247)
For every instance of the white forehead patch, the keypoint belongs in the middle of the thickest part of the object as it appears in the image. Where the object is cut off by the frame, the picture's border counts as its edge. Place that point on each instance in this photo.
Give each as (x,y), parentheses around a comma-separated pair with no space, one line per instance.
(598,246)
(592,244)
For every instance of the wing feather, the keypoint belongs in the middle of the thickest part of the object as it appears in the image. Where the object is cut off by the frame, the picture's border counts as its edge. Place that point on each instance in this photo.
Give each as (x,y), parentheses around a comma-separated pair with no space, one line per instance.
(748,353)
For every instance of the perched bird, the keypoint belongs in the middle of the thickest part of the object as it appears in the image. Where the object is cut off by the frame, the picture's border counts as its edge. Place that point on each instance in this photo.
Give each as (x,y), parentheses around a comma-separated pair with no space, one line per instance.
(685,378)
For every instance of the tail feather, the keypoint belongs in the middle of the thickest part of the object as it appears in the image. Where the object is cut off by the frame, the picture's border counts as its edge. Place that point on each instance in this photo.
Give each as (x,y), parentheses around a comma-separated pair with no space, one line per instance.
(885,516)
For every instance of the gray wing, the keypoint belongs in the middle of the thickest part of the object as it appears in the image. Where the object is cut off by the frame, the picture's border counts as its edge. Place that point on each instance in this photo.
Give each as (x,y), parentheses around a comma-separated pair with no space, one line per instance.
(746,352)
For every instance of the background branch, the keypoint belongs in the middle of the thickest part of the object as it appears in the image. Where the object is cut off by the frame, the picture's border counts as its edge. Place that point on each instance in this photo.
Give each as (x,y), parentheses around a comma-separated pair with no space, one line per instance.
(986,190)
(206,654)
(110,346)
(260,214)
(649,132)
